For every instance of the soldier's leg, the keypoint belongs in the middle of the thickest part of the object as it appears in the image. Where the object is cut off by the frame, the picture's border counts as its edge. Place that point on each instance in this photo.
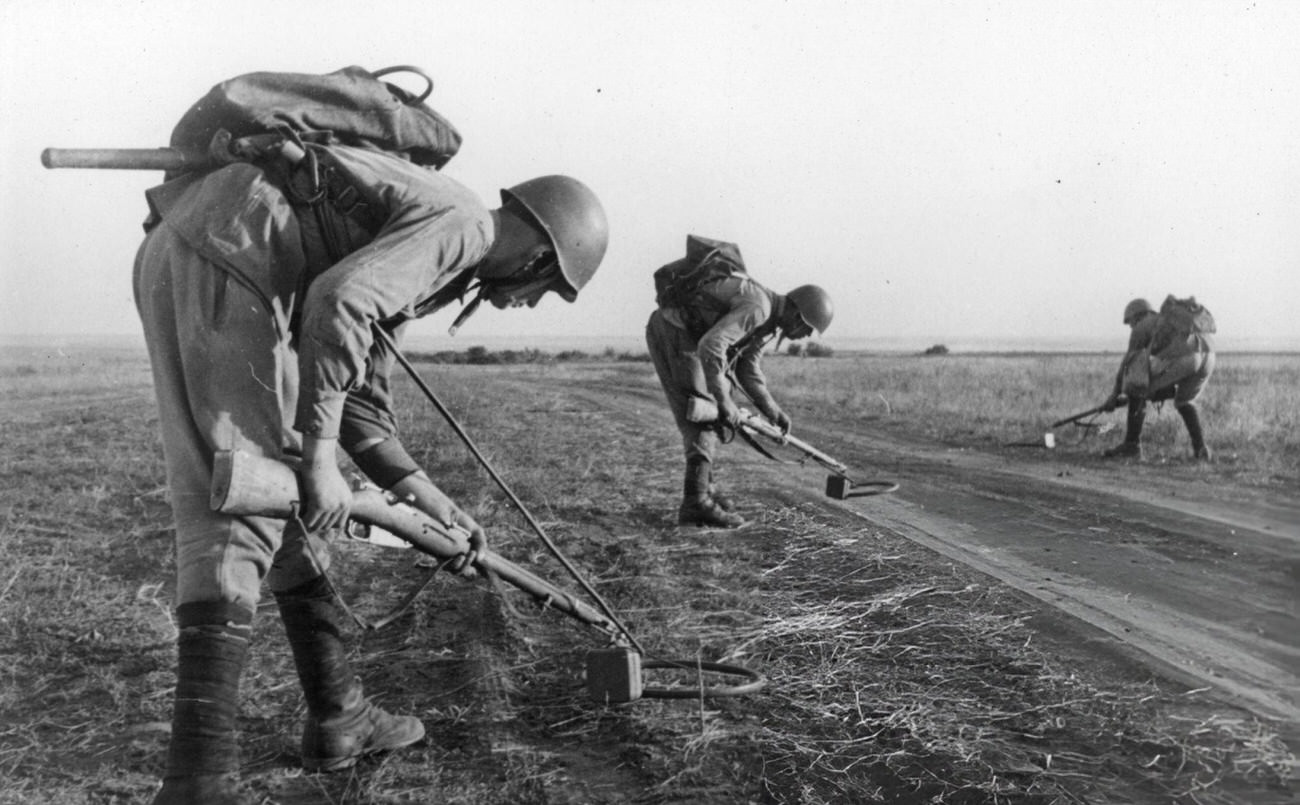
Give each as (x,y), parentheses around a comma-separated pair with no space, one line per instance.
(217,375)
(1131,447)
(1185,395)
(678,366)
(342,724)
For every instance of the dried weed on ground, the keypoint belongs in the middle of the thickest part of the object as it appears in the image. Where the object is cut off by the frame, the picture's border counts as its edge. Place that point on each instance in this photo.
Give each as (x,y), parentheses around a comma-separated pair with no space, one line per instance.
(893,676)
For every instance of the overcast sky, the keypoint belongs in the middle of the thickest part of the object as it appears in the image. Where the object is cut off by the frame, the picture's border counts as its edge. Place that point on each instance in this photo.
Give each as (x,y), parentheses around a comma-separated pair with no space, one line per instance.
(945,170)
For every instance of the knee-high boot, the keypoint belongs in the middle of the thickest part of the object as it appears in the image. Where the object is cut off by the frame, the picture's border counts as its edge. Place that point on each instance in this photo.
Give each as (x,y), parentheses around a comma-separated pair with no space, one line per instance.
(697,507)
(1131,447)
(1192,419)
(719,497)
(342,724)
(203,758)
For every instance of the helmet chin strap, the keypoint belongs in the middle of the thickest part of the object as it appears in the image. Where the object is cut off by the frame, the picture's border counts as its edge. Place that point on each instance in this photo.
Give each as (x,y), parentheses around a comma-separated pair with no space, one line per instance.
(505,286)
(469,308)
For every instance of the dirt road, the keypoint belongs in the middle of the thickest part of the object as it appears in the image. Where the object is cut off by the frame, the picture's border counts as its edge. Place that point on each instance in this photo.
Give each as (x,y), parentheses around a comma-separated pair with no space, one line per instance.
(1200,584)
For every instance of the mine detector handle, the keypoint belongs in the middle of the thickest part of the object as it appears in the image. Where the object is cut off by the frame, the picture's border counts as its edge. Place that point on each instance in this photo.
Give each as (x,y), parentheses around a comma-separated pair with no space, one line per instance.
(757,424)
(1121,400)
(245,484)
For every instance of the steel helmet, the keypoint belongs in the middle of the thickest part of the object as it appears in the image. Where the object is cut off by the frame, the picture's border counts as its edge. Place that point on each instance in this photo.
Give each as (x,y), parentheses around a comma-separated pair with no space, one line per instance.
(814,306)
(573,219)
(1134,310)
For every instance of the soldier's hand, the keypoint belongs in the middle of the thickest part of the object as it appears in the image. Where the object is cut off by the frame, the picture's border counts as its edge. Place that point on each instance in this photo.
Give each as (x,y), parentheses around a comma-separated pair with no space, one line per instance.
(781,419)
(729,413)
(1112,402)
(425,495)
(464,564)
(329,497)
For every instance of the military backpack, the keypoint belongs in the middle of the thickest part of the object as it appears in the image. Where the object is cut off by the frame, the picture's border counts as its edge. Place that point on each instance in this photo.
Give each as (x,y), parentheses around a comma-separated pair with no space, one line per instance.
(1179,319)
(351,106)
(682,283)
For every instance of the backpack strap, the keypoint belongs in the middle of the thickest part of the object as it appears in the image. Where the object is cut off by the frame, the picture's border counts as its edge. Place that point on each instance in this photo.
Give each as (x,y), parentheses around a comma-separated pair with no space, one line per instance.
(334,220)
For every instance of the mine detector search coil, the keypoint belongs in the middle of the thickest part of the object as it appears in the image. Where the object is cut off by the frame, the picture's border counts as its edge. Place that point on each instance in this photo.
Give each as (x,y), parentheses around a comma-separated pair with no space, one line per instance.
(838,484)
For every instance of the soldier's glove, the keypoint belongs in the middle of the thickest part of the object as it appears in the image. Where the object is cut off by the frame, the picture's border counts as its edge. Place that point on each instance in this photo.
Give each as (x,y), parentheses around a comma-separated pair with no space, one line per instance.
(1112,402)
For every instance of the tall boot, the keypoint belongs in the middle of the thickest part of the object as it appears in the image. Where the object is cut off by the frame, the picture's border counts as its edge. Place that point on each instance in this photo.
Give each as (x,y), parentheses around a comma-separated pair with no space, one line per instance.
(203,758)
(719,497)
(1131,447)
(342,724)
(1192,419)
(697,507)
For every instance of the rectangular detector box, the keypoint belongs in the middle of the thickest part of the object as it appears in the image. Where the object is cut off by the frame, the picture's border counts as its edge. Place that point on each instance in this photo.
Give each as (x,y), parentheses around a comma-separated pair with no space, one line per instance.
(614,675)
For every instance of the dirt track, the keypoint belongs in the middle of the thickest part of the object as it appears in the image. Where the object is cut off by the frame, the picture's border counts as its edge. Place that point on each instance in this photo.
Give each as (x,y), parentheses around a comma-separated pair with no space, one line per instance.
(1197,585)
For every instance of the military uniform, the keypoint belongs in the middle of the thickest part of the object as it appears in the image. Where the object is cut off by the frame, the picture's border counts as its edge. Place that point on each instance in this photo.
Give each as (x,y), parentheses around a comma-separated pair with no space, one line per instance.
(692,351)
(257,336)
(1177,370)
(247,356)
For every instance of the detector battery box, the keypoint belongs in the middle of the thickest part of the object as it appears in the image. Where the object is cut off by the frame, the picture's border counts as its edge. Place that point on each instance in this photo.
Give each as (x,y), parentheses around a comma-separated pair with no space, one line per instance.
(614,675)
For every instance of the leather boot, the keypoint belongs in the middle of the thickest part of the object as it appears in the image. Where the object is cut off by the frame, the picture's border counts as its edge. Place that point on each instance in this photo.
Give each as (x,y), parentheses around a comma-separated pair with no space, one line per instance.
(1131,447)
(1192,419)
(698,509)
(203,757)
(342,724)
(724,501)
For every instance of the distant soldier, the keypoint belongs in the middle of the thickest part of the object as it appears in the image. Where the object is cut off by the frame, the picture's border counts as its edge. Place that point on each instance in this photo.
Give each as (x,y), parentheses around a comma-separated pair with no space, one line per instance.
(710,327)
(1170,357)
(261,288)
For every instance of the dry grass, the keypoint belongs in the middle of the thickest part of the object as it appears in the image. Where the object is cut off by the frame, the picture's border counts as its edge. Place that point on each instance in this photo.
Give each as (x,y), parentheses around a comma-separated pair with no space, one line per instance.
(1250,408)
(892,677)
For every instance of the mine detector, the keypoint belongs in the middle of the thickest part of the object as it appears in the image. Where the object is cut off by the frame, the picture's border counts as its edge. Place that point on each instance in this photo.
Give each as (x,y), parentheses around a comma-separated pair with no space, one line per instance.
(247,484)
(838,484)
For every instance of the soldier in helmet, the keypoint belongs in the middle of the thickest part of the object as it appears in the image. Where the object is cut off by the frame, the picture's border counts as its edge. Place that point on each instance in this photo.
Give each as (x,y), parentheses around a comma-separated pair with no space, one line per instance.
(1161,363)
(260,316)
(700,342)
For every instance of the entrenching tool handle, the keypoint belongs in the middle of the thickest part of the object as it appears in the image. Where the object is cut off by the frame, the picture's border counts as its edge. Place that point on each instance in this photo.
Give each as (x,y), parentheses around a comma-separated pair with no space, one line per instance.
(245,484)
(163,159)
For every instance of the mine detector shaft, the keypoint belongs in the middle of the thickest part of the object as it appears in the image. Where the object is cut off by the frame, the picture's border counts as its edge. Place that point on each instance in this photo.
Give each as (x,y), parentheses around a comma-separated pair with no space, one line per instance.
(1077,419)
(245,484)
(838,484)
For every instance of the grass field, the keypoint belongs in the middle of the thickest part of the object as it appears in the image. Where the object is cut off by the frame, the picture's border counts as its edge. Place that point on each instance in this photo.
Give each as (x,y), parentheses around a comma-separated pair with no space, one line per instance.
(892,678)
(1250,408)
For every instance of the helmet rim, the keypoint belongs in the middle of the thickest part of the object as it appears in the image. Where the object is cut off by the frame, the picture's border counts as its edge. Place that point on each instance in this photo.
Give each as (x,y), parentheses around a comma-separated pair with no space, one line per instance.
(574,222)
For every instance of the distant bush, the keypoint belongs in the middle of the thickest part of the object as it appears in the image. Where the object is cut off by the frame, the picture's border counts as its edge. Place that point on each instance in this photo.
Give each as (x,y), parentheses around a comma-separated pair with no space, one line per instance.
(482,356)
(937,349)
(809,349)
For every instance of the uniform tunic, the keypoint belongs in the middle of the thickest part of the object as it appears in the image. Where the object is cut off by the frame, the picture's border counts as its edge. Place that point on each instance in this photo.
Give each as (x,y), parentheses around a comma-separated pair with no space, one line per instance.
(244,360)
(696,366)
